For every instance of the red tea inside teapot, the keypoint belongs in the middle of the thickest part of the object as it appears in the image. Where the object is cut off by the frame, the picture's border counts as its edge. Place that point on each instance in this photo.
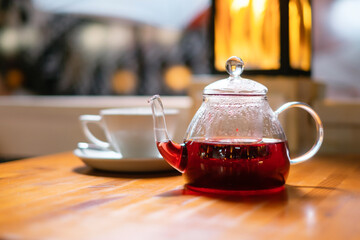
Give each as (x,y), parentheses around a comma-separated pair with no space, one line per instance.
(235,143)
(223,165)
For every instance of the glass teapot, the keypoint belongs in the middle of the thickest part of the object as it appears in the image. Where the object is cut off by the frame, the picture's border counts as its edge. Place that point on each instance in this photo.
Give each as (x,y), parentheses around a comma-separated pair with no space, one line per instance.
(235,143)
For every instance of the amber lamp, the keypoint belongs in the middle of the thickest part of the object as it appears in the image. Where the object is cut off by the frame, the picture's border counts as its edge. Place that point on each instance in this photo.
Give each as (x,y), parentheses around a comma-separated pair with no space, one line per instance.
(271,36)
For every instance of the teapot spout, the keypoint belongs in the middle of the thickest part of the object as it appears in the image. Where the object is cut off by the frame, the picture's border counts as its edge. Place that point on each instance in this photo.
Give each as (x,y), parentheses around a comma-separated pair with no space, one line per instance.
(160,130)
(171,151)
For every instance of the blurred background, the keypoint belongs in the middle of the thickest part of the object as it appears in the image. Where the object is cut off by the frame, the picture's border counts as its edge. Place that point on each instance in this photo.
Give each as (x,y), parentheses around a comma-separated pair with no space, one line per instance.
(102,47)
(145,47)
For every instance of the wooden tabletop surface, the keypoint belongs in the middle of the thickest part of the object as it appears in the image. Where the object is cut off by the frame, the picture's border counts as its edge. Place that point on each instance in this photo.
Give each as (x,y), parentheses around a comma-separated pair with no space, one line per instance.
(58,197)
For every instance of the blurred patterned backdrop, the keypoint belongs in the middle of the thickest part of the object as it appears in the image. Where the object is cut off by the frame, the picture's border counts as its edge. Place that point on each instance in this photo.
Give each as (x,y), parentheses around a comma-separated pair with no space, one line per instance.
(67,54)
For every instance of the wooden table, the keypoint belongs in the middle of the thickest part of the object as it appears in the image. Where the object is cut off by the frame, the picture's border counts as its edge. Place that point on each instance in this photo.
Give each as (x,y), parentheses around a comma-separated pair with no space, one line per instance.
(58,197)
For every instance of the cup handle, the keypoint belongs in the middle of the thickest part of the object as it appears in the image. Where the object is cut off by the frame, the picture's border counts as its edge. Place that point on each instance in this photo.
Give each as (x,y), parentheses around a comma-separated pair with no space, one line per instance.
(319,129)
(85,120)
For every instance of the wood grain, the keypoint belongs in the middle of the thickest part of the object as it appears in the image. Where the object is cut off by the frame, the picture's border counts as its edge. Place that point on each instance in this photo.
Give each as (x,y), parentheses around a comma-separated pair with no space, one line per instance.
(57,197)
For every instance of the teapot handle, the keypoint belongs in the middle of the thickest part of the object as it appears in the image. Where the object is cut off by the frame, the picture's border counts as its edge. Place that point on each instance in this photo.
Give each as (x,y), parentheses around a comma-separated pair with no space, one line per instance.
(319,129)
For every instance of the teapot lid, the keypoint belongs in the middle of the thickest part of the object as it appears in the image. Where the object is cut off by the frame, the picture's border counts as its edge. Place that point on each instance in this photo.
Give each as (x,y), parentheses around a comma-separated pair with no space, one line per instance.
(235,84)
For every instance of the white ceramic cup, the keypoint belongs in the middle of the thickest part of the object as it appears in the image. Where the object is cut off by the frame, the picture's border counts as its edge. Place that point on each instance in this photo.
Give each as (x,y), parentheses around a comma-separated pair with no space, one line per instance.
(128,131)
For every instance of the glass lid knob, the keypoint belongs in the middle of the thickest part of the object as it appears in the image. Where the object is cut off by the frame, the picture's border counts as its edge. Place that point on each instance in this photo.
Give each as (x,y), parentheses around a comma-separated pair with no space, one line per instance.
(234,66)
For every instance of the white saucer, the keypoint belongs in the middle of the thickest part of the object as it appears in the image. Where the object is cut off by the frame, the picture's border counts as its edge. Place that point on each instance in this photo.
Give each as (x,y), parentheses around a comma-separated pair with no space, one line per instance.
(112,161)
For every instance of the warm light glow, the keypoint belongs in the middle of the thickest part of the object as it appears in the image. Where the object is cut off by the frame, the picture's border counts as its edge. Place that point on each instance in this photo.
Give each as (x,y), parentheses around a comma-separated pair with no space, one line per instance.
(14,79)
(300,34)
(124,82)
(237,4)
(249,29)
(258,7)
(177,77)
